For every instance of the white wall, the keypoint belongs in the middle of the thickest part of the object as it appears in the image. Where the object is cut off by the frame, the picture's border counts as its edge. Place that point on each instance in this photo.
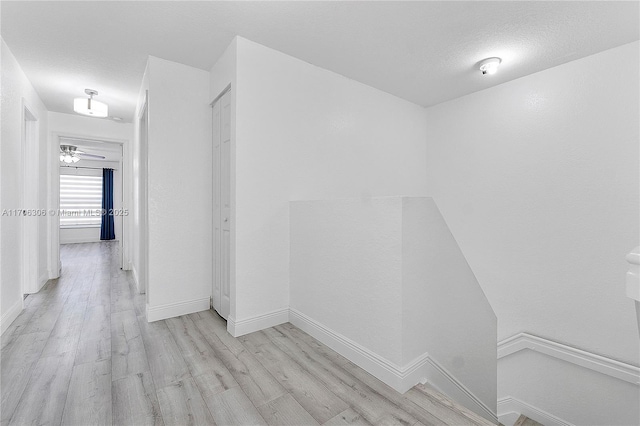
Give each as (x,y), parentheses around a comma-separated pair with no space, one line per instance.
(179,190)
(139,198)
(386,273)
(16,91)
(346,269)
(92,128)
(570,392)
(444,311)
(303,132)
(538,181)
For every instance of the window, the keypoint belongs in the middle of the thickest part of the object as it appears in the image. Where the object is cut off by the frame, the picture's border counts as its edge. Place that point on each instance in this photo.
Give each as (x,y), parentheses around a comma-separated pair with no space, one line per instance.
(80,201)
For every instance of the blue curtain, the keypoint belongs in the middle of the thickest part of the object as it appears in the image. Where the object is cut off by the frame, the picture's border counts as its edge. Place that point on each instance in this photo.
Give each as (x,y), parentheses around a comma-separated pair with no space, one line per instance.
(107,229)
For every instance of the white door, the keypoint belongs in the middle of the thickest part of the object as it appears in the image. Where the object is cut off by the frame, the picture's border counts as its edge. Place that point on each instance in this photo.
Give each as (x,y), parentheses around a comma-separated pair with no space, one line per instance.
(222,204)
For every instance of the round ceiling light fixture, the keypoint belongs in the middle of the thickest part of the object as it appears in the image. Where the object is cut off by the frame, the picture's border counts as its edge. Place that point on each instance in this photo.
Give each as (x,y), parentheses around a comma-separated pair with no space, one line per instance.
(89,106)
(490,65)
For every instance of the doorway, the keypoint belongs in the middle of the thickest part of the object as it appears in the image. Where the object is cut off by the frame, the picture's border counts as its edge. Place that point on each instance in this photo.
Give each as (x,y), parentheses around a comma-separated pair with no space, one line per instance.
(80,189)
(221,300)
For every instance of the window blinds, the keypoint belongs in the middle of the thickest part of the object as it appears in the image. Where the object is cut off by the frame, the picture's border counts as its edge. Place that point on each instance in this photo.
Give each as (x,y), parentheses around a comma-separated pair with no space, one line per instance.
(80,201)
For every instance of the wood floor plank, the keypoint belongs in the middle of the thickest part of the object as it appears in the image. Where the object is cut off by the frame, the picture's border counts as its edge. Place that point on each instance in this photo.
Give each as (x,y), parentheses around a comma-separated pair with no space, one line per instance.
(99,295)
(319,347)
(198,354)
(121,299)
(135,401)
(420,391)
(211,322)
(346,418)
(181,404)
(92,350)
(44,398)
(16,368)
(165,360)
(97,323)
(44,319)
(314,397)
(89,398)
(211,384)
(232,407)
(416,410)
(128,355)
(526,421)
(256,382)
(356,394)
(286,411)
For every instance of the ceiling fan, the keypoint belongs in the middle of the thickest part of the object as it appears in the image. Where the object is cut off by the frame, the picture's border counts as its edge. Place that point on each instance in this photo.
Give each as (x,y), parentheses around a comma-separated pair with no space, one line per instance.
(71,154)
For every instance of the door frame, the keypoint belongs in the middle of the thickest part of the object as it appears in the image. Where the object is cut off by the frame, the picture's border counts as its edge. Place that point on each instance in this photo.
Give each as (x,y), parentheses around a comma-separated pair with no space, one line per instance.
(142,212)
(55,265)
(215,270)
(30,282)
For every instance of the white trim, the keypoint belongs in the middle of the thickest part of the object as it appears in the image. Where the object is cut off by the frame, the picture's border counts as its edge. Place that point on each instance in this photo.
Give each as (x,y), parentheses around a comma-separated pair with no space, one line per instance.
(135,277)
(509,409)
(42,280)
(422,368)
(11,314)
(53,198)
(633,275)
(259,322)
(29,180)
(608,366)
(170,310)
(80,240)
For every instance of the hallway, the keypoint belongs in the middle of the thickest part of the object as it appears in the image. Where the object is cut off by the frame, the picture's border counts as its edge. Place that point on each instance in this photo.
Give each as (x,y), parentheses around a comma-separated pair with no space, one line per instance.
(82,353)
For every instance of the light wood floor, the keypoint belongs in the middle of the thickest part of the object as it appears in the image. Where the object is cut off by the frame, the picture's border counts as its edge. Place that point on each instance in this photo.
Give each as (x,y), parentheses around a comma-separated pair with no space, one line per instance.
(82,353)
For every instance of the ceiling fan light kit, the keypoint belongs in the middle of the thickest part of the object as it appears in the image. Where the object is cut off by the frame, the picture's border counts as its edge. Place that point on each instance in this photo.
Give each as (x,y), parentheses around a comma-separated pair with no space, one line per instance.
(89,106)
(70,154)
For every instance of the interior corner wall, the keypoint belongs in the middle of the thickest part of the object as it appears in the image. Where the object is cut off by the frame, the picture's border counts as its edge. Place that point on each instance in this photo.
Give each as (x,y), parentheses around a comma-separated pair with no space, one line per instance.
(538,181)
(305,133)
(445,312)
(179,190)
(17,89)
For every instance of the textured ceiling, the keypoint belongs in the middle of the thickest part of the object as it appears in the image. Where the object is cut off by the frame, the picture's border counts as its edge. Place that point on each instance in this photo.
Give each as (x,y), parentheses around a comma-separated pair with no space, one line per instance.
(425,52)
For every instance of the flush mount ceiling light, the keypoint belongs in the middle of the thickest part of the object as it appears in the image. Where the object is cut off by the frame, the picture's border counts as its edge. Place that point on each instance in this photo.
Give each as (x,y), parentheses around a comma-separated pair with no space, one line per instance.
(87,106)
(490,65)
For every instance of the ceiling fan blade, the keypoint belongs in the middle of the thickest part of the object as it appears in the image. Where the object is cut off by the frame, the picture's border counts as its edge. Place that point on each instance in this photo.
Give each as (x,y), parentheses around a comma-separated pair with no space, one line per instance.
(90,155)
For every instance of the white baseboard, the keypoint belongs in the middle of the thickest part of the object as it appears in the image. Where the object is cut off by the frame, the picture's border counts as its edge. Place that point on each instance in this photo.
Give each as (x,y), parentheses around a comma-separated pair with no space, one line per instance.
(608,366)
(509,409)
(399,378)
(10,316)
(170,310)
(259,322)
